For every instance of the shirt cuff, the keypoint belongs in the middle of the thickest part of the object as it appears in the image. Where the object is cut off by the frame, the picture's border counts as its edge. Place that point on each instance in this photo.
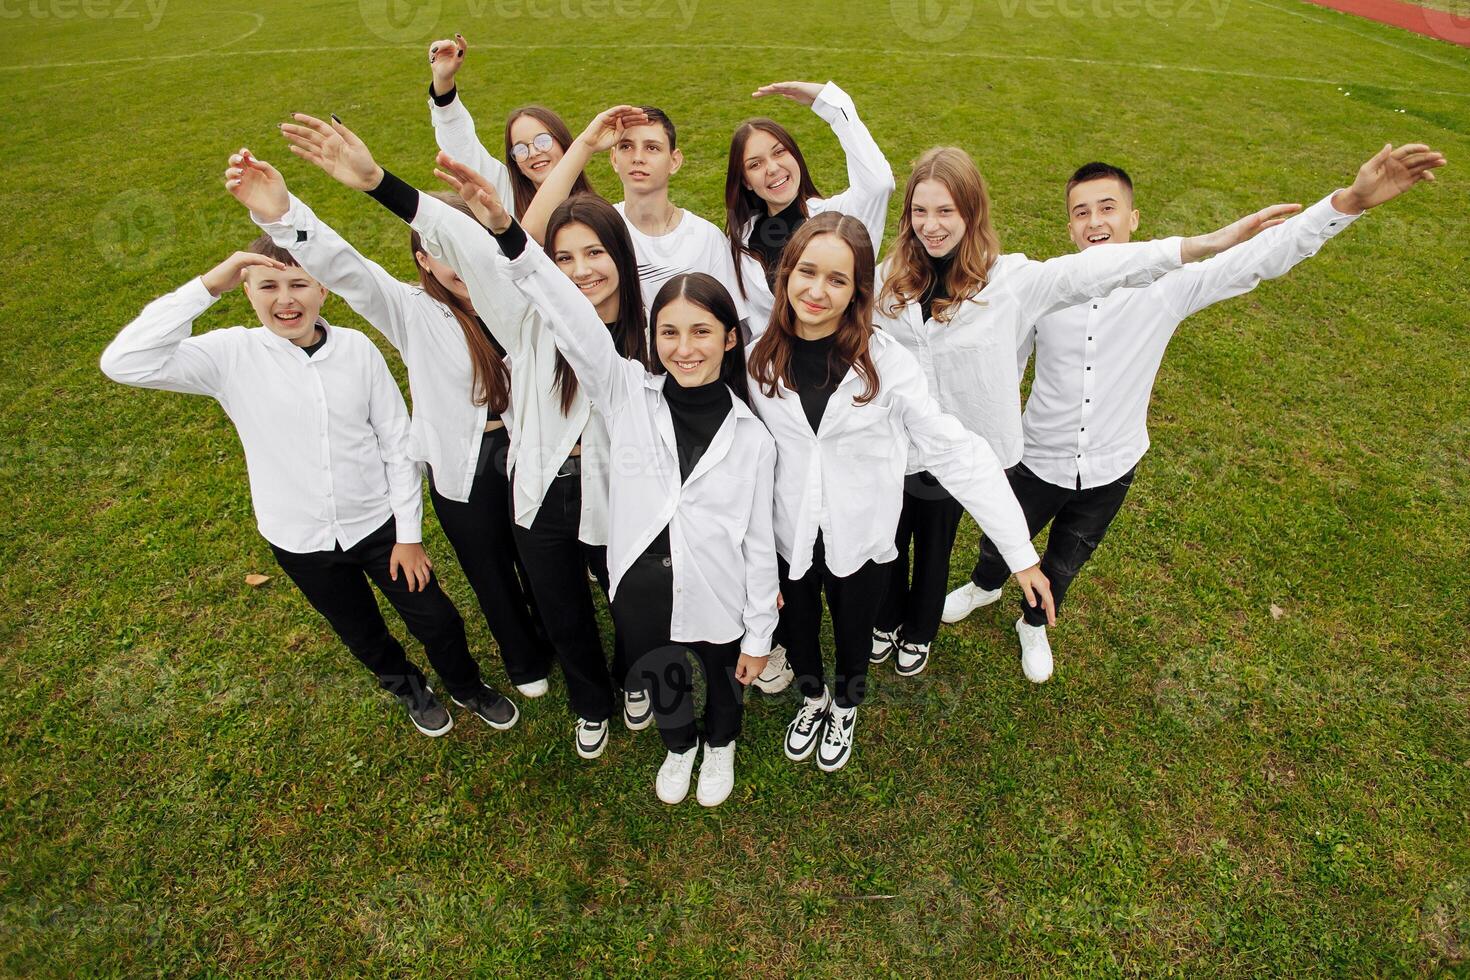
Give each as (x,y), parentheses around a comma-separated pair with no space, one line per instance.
(283,229)
(196,292)
(512,241)
(443,100)
(397,196)
(833,104)
(1020,559)
(1325,219)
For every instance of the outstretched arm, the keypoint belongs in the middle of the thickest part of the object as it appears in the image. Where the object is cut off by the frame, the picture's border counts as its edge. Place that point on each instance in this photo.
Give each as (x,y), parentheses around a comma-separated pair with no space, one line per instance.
(601,134)
(454,128)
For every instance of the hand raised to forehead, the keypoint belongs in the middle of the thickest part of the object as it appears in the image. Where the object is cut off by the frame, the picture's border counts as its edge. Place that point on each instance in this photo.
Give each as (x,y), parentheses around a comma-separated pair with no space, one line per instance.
(604,132)
(803,93)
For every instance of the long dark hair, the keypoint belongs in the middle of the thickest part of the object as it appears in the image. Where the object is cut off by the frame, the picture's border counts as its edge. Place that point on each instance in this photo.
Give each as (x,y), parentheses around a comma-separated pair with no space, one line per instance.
(524,190)
(630,330)
(770,359)
(705,292)
(492,376)
(742,203)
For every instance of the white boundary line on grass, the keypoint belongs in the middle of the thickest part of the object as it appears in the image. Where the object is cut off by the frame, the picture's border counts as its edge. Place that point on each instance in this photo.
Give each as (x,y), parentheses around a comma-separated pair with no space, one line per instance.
(804,49)
(1343,24)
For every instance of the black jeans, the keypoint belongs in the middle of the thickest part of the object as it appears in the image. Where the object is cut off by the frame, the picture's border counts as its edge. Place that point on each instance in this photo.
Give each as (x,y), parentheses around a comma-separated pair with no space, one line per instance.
(336,584)
(929,519)
(853,602)
(1080,520)
(557,564)
(661,666)
(479,530)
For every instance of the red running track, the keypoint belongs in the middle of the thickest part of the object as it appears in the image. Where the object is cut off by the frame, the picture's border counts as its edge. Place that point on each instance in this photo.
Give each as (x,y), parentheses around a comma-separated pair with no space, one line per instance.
(1440,24)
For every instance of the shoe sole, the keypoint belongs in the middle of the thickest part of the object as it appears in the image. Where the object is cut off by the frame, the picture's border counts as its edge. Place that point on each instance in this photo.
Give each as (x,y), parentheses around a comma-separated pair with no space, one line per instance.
(526,694)
(432,733)
(666,802)
(713,803)
(805,755)
(776,685)
(835,766)
(912,671)
(595,753)
(637,726)
(515,716)
(874,659)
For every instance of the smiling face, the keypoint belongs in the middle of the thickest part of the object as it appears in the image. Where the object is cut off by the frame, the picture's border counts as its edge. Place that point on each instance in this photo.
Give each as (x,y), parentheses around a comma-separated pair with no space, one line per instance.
(524,129)
(691,342)
(936,219)
(770,170)
(821,286)
(581,255)
(643,160)
(1100,211)
(445,276)
(286,301)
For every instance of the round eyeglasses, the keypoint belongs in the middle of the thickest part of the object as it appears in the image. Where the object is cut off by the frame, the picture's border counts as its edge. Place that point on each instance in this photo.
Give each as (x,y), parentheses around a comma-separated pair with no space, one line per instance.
(542,142)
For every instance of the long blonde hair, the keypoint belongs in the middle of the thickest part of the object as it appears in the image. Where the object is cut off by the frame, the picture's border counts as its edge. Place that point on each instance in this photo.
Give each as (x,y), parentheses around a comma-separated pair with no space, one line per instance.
(909,274)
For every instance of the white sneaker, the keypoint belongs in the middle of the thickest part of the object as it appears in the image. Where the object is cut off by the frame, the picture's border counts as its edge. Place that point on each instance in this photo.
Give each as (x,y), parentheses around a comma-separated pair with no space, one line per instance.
(883,644)
(673,776)
(534,689)
(591,738)
(716,774)
(836,747)
(965,600)
(805,729)
(778,674)
(637,710)
(1035,651)
(912,658)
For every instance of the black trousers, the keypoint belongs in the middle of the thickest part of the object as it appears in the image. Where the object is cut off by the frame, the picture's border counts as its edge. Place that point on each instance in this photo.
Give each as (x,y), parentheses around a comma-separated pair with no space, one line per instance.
(1079,520)
(661,666)
(557,565)
(853,601)
(336,584)
(479,530)
(929,520)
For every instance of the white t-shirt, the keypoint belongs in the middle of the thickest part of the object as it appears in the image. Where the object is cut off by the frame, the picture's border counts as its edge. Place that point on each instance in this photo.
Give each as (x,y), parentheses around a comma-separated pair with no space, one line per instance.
(695,245)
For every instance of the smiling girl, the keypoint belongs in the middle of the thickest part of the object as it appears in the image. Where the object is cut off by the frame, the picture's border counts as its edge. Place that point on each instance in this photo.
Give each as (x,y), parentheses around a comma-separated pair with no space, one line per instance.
(847,405)
(769,191)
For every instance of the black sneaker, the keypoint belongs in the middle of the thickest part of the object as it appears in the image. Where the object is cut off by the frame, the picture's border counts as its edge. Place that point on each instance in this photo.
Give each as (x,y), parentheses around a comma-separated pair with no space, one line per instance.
(425,711)
(491,707)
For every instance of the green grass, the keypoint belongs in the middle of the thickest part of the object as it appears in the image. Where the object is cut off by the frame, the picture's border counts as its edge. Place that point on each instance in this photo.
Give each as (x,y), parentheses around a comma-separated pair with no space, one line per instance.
(197,777)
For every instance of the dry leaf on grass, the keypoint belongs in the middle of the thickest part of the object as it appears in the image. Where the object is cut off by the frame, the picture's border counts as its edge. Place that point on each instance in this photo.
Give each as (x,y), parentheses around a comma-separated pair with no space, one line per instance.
(1276,611)
(255,580)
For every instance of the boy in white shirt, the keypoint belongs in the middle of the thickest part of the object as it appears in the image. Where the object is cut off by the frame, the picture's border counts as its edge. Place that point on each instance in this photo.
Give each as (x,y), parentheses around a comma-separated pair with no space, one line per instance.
(325,432)
(1085,423)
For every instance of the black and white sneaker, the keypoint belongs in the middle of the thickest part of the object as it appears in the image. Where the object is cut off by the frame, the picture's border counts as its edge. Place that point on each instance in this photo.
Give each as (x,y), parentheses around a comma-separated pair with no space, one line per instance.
(806,728)
(883,645)
(591,738)
(637,710)
(425,711)
(836,746)
(491,707)
(912,658)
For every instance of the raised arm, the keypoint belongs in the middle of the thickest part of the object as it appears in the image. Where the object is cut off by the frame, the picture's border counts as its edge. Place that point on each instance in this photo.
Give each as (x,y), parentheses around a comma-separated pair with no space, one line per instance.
(367,287)
(454,128)
(1388,174)
(157,350)
(601,134)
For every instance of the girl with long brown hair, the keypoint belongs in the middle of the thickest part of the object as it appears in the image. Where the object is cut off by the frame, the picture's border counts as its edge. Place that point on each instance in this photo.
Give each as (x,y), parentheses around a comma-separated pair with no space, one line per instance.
(535,136)
(460,385)
(769,191)
(965,310)
(847,406)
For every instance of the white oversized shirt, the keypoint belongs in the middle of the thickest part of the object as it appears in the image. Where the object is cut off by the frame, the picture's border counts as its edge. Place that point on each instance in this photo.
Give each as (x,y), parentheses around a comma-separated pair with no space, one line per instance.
(1086,419)
(969,362)
(541,435)
(846,479)
(694,245)
(721,542)
(870,184)
(447,425)
(454,132)
(325,436)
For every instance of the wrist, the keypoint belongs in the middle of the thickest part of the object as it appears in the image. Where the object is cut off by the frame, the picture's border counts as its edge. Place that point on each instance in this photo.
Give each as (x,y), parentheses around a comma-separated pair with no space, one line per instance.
(1346,201)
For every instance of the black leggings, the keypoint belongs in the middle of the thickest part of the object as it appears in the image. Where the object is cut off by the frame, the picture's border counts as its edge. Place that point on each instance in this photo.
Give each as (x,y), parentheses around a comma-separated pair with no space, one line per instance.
(336,584)
(1081,520)
(853,601)
(929,519)
(660,666)
(480,532)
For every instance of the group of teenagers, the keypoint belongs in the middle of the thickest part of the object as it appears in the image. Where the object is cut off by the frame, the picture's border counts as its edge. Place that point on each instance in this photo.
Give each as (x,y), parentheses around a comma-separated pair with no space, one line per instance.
(720,428)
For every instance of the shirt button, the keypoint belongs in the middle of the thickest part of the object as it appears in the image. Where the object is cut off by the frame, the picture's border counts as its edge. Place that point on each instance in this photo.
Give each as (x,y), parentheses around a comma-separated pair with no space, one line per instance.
(1088,400)
(1089,367)
(1094,306)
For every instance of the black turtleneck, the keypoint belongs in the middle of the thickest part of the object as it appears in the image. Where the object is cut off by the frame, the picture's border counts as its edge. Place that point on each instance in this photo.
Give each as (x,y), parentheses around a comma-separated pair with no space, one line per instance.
(938,287)
(698,412)
(816,371)
(771,233)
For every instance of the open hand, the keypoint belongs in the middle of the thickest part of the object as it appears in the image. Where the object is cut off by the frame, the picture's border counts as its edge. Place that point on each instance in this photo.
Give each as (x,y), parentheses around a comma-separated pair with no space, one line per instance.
(257,185)
(231,272)
(334,148)
(1387,175)
(1204,246)
(604,132)
(475,191)
(804,93)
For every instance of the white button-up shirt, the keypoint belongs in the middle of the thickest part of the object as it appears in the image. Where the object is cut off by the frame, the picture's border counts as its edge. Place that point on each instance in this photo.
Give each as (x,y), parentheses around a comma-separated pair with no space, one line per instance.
(869,186)
(541,435)
(325,436)
(721,542)
(969,361)
(1086,420)
(454,132)
(447,425)
(846,479)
